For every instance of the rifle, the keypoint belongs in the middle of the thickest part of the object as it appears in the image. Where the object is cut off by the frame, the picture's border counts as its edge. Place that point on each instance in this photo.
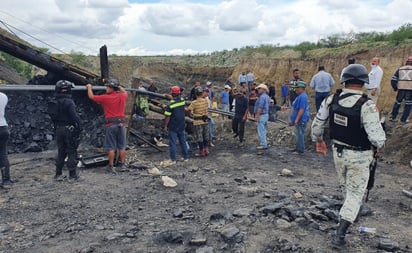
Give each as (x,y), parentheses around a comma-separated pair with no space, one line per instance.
(372,170)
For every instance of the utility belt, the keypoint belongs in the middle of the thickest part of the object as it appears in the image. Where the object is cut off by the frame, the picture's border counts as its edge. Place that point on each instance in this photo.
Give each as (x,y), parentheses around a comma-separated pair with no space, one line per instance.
(205,118)
(115,120)
(340,148)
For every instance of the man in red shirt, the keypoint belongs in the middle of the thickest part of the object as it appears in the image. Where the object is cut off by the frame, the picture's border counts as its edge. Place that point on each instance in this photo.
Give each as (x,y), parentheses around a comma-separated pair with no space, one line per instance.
(113,102)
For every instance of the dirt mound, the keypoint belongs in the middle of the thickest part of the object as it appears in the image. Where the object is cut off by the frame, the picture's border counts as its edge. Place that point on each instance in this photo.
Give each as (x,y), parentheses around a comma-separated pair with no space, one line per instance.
(399,143)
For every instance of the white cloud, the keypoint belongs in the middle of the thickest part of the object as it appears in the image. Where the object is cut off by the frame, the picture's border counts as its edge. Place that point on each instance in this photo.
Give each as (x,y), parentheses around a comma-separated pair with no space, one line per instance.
(180,27)
(242,15)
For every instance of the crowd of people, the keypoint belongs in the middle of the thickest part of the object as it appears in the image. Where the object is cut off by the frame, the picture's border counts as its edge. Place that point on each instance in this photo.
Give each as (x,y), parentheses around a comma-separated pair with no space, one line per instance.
(351,115)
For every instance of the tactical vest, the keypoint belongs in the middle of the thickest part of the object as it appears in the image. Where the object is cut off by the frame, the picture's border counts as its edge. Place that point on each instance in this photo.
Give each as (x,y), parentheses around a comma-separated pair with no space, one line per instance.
(345,123)
(405,78)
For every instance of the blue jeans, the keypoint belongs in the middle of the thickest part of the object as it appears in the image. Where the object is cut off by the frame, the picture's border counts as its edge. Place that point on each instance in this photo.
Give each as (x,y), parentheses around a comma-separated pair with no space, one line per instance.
(261,128)
(225,107)
(319,97)
(300,137)
(173,136)
(211,129)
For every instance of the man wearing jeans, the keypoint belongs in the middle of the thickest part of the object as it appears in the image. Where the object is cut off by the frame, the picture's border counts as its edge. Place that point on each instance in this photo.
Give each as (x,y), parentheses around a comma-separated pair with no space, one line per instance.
(175,123)
(300,116)
(262,114)
(321,83)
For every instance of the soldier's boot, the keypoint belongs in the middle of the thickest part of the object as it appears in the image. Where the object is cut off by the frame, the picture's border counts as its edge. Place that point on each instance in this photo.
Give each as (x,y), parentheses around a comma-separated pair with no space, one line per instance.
(5,175)
(72,174)
(59,174)
(339,236)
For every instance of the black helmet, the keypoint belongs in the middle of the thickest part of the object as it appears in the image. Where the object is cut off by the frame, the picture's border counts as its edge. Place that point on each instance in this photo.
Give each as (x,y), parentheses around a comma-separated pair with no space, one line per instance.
(64,85)
(355,74)
(199,90)
(112,83)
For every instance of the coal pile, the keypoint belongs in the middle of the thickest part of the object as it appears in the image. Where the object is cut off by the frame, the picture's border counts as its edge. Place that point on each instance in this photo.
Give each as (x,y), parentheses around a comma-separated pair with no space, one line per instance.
(31,128)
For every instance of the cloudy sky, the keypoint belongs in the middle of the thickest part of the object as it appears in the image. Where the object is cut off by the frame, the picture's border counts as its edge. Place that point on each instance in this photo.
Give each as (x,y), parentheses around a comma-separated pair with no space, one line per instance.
(152,27)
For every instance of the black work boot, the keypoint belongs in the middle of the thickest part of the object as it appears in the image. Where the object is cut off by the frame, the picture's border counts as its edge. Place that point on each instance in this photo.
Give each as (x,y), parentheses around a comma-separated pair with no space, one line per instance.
(73,175)
(5,175)
(59,175)
(339,236)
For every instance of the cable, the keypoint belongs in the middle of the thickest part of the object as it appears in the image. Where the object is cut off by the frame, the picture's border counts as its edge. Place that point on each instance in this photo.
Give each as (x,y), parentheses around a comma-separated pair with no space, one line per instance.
(5,25)
(35,38)
(41,29)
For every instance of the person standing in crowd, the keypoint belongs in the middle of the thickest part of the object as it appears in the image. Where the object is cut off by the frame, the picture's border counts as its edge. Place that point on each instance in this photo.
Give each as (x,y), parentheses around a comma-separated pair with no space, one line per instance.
(321,83)
(4,137)
(192,95)
(252,101)
(285,94)
(229,82)
(355,129)
(250,79)
(300,116)
(68,128)
(242,79)
(238,121)
(375,78)
(175,125)
(350,61)
(152,88)
(113,102)
(272,91)
(211,93)
(292,85)
(402,83)
(199,110)
(207,93)
(273,110)
(224,98)
(262,114)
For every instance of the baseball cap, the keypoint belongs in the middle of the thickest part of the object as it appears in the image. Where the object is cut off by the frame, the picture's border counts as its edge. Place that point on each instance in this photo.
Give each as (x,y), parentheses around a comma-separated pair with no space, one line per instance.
(300,84)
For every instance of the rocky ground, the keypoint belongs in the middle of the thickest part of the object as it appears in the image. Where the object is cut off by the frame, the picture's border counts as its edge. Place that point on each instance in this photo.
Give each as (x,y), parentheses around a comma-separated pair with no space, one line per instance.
(234,200)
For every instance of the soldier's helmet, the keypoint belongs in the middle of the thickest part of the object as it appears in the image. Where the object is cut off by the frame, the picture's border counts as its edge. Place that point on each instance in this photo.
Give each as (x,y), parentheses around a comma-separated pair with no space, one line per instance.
(199,90)
(64,86)
(355,74)
(175,90)
(113,83)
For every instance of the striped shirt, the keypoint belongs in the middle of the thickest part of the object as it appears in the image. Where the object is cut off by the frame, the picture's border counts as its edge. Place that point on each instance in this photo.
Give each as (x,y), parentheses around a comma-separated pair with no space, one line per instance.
(199,108)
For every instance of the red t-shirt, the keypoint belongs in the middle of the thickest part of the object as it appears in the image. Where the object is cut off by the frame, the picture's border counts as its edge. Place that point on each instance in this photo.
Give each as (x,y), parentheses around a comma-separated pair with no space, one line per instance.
(113,104)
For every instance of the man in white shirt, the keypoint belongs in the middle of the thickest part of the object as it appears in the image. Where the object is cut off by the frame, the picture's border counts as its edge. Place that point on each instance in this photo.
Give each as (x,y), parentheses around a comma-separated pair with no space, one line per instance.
(375,78)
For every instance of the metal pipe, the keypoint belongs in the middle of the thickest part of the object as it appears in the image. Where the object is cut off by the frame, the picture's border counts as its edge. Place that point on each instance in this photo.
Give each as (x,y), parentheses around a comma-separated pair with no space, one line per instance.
(18,87)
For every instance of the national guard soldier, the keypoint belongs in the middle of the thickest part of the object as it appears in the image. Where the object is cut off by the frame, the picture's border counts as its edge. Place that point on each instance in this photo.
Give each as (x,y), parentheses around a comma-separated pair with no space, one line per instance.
(67,124)
(355,131)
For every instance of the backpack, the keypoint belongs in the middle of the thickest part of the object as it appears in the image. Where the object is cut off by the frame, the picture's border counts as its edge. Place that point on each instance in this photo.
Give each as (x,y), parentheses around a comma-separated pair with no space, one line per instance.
(53,109)
(142,104)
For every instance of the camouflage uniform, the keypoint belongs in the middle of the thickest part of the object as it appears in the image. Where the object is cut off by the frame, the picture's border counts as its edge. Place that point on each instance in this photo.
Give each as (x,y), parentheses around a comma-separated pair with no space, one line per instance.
(352,166)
